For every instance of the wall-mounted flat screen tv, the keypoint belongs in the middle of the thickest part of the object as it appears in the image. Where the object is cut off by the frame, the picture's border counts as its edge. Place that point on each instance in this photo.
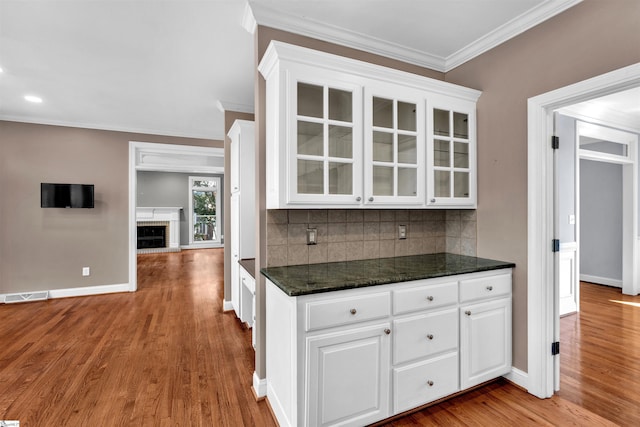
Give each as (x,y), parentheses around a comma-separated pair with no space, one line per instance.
(66,195)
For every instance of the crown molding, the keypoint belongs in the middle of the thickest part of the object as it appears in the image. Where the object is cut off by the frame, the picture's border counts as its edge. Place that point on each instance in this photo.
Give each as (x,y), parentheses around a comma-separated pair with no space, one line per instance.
(607,117)
(224,106)
(265,15)
(511,29)
(269,17)
(248,20)
(99,126)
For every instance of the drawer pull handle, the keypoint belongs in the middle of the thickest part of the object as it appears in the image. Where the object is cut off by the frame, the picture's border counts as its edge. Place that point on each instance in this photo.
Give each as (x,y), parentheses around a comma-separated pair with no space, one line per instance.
(468,313)
(429,298)
(358,198)
(430,336)
(353,311)
(430,383)
(489,288)
(387,331)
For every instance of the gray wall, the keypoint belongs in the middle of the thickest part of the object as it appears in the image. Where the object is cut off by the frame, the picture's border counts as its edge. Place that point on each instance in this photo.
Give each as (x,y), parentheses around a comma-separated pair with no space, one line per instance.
(566,130)
(601,219)
(45,249)
(171,189)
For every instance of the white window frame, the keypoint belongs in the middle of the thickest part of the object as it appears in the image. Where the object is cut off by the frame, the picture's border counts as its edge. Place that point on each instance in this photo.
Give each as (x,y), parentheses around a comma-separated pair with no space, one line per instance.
(204,243)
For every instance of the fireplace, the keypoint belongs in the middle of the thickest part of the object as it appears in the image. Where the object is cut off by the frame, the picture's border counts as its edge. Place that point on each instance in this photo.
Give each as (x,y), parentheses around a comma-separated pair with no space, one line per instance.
(152,236)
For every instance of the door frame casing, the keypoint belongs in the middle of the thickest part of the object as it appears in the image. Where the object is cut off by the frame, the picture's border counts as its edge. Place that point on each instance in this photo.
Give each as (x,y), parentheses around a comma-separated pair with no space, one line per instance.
(541,296)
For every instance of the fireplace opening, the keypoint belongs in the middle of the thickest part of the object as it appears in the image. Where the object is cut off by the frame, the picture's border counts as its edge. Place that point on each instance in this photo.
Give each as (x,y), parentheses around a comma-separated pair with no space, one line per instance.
(152,236)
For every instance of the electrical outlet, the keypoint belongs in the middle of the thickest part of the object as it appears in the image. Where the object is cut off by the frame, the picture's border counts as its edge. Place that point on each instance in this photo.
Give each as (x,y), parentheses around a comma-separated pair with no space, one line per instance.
(86,271)
(312,236)
(402,232)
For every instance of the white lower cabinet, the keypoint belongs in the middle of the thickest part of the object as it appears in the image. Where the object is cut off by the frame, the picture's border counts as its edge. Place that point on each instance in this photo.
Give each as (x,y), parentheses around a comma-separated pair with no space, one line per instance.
(348,375)
(355,357)
(485,341)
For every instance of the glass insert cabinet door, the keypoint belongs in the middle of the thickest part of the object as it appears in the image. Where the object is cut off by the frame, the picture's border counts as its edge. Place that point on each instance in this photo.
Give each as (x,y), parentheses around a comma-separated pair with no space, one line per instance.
(394,148)
(325,161)
(452,157)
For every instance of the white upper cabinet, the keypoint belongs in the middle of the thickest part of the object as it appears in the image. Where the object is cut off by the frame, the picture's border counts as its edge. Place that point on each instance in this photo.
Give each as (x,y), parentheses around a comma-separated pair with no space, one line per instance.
(343,133)
(451,153)
(394,154)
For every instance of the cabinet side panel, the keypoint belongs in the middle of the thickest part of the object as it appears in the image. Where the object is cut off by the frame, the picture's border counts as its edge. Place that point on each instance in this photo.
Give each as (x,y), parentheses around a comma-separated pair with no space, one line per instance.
(281,354)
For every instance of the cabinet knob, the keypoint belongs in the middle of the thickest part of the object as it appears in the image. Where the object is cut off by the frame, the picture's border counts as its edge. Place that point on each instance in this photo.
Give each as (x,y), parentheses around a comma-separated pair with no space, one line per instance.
(353,311)
(430,383)
(430,336)
(468,313)
(489,288)
(433,200)
(387,331)
(371,199)
(358,199)
(429,298)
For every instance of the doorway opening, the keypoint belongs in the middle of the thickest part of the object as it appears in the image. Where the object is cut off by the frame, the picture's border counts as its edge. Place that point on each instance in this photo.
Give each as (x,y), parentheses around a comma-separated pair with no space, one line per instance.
(543,313)
(162,171)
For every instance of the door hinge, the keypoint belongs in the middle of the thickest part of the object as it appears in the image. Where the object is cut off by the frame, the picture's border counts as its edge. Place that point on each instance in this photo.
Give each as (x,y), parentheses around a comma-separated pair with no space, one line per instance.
(555,348)
(555,245)
(555,142)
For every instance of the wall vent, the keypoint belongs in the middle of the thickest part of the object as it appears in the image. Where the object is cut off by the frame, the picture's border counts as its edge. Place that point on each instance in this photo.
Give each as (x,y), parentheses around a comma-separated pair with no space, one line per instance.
(26,297)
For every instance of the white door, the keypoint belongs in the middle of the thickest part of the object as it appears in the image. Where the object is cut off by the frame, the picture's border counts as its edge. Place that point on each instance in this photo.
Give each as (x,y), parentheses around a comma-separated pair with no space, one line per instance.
(235,253)
(348,376)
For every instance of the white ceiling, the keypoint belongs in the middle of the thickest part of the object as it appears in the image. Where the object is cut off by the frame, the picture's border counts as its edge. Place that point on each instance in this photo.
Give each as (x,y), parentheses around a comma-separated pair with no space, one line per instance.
(163,67)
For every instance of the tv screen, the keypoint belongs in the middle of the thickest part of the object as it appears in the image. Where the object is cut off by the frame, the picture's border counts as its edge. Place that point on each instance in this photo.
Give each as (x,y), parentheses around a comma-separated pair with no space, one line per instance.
(66,195)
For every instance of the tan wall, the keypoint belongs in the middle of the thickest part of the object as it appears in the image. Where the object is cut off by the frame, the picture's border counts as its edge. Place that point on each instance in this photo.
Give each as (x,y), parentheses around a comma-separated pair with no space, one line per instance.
(589,39)
(229,118)
(44,249)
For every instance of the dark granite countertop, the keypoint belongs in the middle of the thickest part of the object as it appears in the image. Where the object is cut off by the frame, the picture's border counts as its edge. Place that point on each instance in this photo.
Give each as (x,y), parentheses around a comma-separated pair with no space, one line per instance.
(306,279)
(249,264)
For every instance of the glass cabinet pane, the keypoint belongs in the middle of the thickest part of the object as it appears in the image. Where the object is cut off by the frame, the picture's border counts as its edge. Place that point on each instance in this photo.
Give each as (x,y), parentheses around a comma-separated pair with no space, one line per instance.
(461,184)
(461,125)
(406,116)
(310,100)
(460,154)
(340,142)
(340,178)
(441,122)
(310,138)
(382,146)
(441,153)
(407,149)
(407,182)
(340,105)
(383,181)
(382,112)
(310,177)
(442,184)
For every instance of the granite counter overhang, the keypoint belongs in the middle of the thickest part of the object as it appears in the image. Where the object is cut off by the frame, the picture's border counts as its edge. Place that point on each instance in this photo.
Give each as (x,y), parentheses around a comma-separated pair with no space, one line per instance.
(296,280)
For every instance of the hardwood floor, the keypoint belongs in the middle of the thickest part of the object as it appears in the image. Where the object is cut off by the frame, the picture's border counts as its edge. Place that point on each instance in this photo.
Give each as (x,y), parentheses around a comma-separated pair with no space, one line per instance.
(167,356)
(163,356)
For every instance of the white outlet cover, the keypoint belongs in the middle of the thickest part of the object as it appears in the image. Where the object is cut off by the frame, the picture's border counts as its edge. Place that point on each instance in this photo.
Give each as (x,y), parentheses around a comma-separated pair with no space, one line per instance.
(86,271)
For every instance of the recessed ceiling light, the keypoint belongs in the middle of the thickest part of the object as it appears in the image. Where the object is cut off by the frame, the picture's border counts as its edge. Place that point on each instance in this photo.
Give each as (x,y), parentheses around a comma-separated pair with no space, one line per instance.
(1,70)
(32,98)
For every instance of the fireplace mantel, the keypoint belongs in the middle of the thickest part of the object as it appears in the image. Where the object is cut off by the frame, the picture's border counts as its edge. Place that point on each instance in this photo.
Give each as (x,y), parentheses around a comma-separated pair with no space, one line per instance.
(169,214)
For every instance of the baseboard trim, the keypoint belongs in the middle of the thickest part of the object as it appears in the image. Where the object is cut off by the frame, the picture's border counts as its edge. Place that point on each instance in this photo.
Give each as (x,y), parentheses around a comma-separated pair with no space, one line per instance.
(226,305)
(601,280)
(84,291)
(259,387)
(519,378)
(203,246)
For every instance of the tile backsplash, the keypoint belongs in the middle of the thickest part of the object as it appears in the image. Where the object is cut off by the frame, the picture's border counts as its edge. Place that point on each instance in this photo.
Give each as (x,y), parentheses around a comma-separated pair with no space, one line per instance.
(351,234)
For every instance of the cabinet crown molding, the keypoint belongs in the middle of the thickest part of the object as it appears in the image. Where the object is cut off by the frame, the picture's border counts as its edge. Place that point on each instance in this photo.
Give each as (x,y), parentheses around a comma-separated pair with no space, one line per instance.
(284,52)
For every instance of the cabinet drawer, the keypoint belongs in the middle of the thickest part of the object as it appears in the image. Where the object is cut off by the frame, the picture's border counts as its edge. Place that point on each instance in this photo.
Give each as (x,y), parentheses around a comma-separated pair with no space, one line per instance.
(425,297)
(346,311)
(485,287)
(425,335)
(424,382)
